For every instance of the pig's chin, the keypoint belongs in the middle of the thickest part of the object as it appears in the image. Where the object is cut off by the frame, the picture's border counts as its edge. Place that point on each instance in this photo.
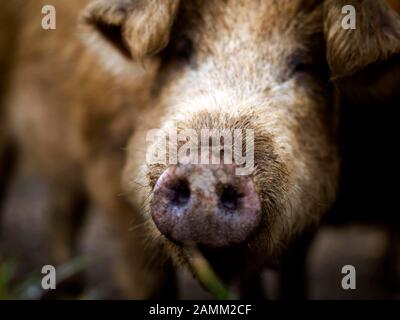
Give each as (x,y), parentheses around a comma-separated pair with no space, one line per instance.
(228,262)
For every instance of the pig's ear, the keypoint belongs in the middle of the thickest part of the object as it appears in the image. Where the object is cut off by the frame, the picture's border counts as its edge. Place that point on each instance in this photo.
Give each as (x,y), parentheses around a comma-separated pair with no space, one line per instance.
(128,30)
(368,53)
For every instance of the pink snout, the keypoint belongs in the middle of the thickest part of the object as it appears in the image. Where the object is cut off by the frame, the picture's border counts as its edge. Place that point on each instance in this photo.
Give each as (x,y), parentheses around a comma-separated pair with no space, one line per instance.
(205,204)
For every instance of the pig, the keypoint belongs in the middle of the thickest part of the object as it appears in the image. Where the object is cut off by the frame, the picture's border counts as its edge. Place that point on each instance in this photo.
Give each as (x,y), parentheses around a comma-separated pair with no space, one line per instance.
(275,68)
(235,77)
(218,88)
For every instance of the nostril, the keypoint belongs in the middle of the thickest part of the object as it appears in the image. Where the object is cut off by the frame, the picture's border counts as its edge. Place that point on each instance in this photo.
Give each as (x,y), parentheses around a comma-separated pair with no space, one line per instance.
(229,198)
(205,205)
(180,192)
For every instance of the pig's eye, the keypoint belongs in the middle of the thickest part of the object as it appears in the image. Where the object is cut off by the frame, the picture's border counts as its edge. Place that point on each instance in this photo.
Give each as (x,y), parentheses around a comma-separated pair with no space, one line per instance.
(183,49)
(303,67)
(300,62)
(179,52)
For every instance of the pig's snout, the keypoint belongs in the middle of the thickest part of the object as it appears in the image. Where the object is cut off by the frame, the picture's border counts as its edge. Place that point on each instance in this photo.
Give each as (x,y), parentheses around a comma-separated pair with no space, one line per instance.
(205,204)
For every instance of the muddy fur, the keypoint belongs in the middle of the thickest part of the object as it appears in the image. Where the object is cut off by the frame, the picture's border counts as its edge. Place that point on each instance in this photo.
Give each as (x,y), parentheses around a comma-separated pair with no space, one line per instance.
(194,64)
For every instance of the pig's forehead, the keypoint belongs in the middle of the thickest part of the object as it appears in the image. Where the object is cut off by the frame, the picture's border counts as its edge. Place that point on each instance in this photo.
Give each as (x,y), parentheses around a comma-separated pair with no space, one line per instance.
(217,16)
(257,29)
